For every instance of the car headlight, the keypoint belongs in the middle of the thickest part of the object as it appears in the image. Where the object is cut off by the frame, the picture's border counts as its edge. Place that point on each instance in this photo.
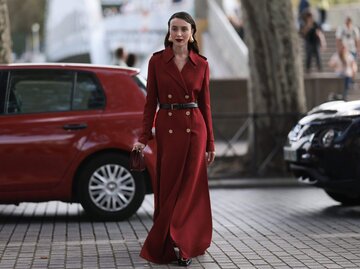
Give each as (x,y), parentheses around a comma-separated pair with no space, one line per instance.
(328,138)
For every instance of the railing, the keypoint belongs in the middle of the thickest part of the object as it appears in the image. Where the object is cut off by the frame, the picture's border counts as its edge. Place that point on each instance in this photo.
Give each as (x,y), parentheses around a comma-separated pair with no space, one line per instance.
(233,144)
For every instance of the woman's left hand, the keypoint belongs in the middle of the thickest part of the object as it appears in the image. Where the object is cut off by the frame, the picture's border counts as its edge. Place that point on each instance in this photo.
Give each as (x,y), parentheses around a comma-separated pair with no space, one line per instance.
(210,157)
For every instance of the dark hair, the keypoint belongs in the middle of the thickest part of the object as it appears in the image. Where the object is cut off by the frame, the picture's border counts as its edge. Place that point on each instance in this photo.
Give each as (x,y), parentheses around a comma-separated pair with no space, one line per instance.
(119,52)
(131,60)
(186,17)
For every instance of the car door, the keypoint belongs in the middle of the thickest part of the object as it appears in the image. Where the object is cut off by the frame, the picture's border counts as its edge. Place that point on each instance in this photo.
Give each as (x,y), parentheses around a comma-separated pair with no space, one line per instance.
(46,117)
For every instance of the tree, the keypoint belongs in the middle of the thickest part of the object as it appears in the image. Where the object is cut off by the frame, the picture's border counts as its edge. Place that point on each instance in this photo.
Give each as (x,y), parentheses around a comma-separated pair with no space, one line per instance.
(276,90)
(5,39)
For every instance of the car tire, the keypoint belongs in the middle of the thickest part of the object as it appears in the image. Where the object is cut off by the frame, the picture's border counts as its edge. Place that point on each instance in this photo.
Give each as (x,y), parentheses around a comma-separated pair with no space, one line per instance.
(107,189)
(343,198)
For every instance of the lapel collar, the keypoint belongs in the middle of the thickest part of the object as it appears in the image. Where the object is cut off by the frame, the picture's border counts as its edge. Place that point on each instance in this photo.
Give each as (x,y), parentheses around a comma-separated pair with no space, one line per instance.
(194,57)
(171,67)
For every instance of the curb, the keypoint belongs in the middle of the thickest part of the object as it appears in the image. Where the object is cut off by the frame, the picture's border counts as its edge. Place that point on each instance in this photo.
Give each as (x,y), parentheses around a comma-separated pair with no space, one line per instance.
(254,183)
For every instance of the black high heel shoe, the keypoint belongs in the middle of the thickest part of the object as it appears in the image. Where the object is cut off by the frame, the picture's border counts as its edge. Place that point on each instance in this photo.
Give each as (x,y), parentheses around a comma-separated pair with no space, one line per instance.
(184,262)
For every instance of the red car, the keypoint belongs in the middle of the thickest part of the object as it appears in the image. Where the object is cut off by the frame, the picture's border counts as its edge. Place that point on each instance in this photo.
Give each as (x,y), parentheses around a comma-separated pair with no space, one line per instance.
(66,131)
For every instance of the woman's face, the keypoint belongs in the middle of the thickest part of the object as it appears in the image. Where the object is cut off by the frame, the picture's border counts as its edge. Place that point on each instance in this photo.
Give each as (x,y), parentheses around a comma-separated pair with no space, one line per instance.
(180,31)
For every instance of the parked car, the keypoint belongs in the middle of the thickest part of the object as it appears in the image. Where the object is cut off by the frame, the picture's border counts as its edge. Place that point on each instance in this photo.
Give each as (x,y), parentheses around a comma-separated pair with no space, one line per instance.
(66,131)
(323,150)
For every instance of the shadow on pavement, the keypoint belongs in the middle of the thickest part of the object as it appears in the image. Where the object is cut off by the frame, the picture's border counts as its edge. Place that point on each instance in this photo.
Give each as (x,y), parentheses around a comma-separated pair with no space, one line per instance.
(342,211)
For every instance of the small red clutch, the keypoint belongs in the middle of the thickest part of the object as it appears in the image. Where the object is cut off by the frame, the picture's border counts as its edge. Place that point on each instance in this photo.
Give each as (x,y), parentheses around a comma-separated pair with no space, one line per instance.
(137,162)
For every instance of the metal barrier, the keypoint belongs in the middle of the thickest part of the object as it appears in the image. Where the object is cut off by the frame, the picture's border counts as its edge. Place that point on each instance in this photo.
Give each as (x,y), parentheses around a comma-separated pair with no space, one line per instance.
(237,153)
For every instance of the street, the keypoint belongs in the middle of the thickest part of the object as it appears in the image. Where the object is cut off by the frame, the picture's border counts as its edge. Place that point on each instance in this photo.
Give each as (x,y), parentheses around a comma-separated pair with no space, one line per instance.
(262,227)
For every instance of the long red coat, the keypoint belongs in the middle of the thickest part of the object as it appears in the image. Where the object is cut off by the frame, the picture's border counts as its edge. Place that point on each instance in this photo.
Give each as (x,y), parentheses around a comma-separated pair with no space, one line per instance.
(182,205)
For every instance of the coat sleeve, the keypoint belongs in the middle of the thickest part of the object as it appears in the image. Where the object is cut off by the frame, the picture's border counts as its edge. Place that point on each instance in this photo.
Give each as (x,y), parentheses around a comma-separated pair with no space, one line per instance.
(204,105)
(150,104)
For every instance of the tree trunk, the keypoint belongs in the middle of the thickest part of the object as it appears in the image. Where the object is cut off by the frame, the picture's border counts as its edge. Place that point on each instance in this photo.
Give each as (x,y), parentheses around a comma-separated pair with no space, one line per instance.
(5,38)
(276,90)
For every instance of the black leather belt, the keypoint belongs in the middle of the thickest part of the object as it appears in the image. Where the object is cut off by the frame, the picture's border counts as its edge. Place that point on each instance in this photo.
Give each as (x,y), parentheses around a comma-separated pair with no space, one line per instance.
(178,106)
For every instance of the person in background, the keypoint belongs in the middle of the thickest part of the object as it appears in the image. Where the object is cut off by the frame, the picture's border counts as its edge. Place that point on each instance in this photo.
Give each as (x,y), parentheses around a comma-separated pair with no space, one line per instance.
(178,83)
(120,57)
(323,7)
(314,41)
(348,35)
(131,60)
(303,10)
(232,9)
(344,65)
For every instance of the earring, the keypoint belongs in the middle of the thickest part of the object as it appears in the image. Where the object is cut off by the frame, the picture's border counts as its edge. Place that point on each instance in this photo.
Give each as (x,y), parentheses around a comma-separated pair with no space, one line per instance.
(170,39)
(191,39)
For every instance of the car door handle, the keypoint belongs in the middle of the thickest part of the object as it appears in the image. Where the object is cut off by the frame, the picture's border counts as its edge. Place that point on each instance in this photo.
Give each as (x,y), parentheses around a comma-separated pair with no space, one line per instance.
(76,126)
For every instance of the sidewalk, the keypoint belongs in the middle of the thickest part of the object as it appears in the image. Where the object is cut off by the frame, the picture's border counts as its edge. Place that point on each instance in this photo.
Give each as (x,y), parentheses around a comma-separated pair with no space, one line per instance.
(262,228)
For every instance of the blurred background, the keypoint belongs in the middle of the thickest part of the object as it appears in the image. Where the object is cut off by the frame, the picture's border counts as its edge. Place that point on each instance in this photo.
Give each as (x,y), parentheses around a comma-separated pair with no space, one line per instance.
(91,31)
(127,32)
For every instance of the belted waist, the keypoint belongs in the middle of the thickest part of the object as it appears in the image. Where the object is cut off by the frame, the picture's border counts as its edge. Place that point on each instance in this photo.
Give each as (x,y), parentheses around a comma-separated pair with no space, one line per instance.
(178,106)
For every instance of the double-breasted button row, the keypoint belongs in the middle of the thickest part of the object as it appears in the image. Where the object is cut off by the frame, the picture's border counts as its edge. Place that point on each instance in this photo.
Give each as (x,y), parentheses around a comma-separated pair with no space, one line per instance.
(188,130)
(186,96)
(187,113)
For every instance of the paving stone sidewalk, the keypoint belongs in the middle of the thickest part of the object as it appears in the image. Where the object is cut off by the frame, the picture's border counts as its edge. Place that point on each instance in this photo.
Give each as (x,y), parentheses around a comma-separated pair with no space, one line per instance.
(273,227)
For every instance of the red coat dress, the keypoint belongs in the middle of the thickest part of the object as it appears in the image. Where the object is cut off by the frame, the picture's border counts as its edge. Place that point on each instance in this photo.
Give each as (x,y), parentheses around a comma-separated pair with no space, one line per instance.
(182,215)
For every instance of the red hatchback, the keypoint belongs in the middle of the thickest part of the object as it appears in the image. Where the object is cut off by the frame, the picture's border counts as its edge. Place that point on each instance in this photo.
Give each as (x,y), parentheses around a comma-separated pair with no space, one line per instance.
(66,131)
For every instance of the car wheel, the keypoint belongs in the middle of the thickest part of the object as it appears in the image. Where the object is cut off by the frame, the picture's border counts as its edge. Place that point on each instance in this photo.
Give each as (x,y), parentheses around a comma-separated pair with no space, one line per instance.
(343,198)
(107,189)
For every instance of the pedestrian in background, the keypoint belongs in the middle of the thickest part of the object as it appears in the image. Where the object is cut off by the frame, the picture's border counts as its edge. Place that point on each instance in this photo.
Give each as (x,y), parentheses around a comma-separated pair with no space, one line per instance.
(303,10)
(232,9)
(131,60)
(178,81)
(314,41)
(120,57)
(323,7)
(345,66)
(348,35)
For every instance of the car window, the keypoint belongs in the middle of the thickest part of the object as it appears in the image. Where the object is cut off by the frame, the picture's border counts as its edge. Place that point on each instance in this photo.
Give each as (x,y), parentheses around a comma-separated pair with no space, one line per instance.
(3,83)
(141,82)
(34,91)
(88,94)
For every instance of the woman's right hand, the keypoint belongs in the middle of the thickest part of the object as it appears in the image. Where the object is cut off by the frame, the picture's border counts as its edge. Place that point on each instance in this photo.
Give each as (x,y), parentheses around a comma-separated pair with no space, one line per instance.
(138,146)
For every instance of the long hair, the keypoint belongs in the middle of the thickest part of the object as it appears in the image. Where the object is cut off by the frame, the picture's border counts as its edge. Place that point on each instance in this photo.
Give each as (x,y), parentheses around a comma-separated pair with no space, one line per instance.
(186,17)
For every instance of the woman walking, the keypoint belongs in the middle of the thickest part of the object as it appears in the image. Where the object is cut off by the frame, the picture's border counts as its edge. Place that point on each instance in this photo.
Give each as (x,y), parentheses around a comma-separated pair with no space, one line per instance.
(345,66)
(178,81)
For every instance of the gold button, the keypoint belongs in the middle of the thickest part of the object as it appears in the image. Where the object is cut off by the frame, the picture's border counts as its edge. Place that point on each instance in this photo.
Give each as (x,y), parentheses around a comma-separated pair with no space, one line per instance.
(187,96)
(188,130)
(169,96)
(187,113)
(170,113)
(170,131)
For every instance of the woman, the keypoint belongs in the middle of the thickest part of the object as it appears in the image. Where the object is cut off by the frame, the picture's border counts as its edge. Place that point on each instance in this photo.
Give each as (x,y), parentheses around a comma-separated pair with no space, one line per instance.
(178,80)
(314,41)
(345,66)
